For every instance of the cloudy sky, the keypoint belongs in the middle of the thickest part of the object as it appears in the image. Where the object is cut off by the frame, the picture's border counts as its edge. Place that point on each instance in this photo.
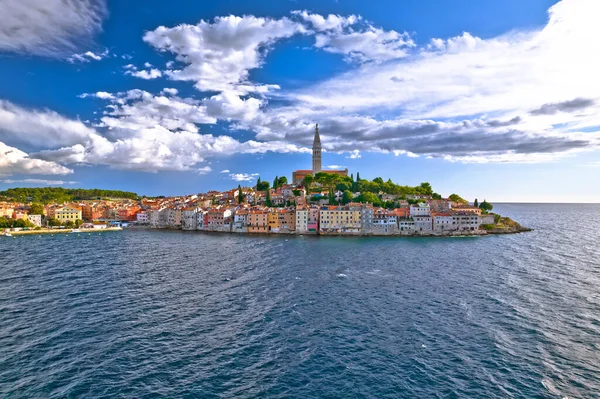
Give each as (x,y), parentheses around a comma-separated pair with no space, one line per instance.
(495,100)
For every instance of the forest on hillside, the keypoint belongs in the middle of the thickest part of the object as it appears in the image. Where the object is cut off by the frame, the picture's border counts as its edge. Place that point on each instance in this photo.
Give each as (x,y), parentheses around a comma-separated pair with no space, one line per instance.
(47,195)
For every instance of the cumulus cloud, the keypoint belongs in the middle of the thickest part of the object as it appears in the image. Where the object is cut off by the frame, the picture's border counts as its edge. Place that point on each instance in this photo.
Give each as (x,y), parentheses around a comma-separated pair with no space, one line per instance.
(138,131)
(49,27)
(225,171)
(39,127)
(169,91)
(358,41)
(243,176)
(14,161)
(146,74)
(219,55)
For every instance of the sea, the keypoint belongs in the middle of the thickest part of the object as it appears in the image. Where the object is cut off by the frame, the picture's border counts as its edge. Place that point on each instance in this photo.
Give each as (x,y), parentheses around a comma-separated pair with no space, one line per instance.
(149,314)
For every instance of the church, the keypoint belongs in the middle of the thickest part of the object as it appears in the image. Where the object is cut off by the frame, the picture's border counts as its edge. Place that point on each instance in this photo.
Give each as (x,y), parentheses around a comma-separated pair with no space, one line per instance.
(298,175)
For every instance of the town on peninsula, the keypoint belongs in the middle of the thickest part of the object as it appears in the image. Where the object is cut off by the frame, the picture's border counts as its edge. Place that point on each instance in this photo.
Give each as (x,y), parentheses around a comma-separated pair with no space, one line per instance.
(314,202)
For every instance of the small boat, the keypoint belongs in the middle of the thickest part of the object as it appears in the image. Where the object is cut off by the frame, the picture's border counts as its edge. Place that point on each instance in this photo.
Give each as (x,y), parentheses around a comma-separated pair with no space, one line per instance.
(7,235)
(75,231)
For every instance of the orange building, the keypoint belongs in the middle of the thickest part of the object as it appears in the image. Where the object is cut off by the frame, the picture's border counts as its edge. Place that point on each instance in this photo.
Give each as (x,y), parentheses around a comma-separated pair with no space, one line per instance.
(258,221)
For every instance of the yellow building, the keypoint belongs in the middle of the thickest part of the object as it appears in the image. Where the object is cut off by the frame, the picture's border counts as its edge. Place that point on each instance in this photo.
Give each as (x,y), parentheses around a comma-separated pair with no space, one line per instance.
(338,219)
(67,213)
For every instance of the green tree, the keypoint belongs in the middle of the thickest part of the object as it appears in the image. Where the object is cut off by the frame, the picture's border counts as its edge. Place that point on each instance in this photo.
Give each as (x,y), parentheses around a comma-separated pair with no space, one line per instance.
(347,197)
(78,223)
(457,198)
(262,186)
(352,177)
(53,222)
(36,209)
(368,197)
(357,176)
(276,182)
(486,206)
(268,199)
(282,181)
(476,203)
(240,194)
(426,188)
(69,224)
(308,180)
(331,197)
(436,196)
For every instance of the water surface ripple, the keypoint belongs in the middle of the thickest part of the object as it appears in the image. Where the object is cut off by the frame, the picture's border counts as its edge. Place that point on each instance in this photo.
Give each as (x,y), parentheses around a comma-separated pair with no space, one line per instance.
(176,314)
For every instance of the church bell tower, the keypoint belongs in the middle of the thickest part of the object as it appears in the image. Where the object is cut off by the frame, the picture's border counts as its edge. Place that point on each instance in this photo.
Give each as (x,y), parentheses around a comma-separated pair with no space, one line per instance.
(316,156)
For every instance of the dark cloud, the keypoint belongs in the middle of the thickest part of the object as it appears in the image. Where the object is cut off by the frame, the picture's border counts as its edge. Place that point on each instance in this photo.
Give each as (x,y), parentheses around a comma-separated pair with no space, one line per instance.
(432,138)
(565,106)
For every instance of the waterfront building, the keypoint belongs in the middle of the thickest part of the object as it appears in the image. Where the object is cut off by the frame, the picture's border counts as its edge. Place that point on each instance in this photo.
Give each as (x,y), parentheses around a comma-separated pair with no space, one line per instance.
(35,219)
(142,217)
(257,221)
(219,219)
(189,219)
(174,217)
(443,222)
(67,213)
(240,221)
(339,219)
(465,221)
(301,220)
(423,224)
(384,222)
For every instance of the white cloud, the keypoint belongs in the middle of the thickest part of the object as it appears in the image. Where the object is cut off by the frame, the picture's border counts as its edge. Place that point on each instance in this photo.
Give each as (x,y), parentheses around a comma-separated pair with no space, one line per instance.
(357,40)
(169,91)
(204,170)
(330,22)
(224,171)
(146,75)
(40,181)
(14,161)
(49,27)
(243,176)
(218,55)
(100,94)
(335,167)
(354,154)
(39,128)
(88,56)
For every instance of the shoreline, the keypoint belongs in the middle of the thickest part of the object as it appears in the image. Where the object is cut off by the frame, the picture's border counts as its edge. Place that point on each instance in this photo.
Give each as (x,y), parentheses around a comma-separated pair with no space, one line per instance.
(477,233)
(61,231)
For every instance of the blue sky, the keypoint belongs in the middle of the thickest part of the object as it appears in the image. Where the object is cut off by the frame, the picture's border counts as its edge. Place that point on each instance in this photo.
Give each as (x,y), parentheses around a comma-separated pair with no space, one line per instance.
(492,100)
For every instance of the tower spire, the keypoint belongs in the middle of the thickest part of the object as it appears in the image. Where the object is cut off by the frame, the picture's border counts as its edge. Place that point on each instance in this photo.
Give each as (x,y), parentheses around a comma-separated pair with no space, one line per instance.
(316,156)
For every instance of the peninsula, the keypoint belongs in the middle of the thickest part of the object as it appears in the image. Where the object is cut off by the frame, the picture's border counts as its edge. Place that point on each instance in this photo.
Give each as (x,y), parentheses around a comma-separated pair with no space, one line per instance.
(318,202)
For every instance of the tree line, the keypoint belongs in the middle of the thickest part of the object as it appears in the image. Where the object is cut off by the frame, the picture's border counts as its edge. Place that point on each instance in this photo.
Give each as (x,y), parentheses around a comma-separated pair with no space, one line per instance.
(46,195)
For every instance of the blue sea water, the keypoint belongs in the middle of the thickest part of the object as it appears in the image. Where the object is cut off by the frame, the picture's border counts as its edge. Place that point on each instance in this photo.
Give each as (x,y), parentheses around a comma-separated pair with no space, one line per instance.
(145,313)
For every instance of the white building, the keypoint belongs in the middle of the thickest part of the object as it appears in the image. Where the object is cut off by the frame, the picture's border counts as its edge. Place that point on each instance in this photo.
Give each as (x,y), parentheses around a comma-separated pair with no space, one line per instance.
(143,217)
(189,219)
(443,222)
(301,220)
(423,224)
(35,219)
(420,209)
